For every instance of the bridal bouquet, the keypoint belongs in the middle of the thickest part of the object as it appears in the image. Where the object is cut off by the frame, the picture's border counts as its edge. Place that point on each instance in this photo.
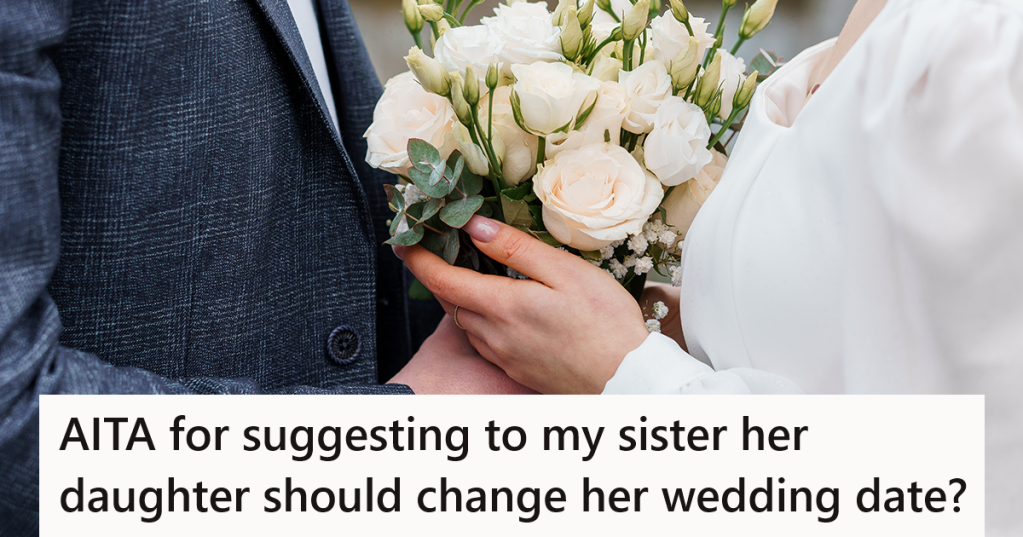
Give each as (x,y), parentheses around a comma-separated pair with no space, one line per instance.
(598,128)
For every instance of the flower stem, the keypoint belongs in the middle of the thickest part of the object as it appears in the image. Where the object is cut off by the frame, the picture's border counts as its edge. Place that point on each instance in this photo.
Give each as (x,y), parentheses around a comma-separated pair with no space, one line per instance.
(724,127)
(541,148)
(718,32)
(490,115)
(737,45)
(418,39)
(627,55)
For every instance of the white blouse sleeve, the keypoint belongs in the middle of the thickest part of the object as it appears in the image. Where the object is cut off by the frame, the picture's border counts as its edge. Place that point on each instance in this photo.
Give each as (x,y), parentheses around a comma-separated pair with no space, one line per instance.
(660,366)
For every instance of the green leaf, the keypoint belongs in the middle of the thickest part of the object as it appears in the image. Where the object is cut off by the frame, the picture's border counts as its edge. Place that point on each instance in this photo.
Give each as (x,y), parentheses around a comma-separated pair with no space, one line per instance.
(486,211)
(434,242)
(455,172)
(395,222)
(431,208)
(426,159)
(428,169)
(516,213)
(546,238)
(418,291)
(536,213)
(395,201)
(451,246)
(581,118)
(518,192)
(471,183)
(407,238)
(766,63)
(457,213)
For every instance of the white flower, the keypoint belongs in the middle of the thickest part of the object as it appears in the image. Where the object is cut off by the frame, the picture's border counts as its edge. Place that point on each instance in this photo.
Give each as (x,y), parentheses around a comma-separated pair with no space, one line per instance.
(606,118)
(527,33)
(477,46)
(670,39)
(407,111)
(618,270)
(638,244)
(551,95)
(684,202)
(676,149)
(519,146)
(647,87)
(619,7)
(653,325)
(732,76)
(473,154)
(675,273)
(667,238)
(607,252)
(608,113)
(630,261)
(595,262)
(659,310)
(617,243)
(412,194)
(595,195)
(644,265)
(605,67)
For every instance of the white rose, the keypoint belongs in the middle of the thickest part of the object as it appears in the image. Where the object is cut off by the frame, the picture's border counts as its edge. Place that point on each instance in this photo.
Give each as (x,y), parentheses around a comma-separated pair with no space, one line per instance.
(676,149)
(608,114)
(527,33)
(407,111)
(595,195)
(478,46)
(604,66)
(551,95)
(670,39)
(732,76)
(647,87)
(606,117)
(685,201)
(519,146)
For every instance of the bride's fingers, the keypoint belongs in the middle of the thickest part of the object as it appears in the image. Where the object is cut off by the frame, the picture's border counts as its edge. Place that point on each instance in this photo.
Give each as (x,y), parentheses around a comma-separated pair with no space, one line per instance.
(522,252)
(456,285)
(485,351)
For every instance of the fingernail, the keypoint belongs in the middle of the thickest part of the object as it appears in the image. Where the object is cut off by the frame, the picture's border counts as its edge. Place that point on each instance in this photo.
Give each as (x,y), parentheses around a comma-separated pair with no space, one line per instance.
(481,228)
(399,252)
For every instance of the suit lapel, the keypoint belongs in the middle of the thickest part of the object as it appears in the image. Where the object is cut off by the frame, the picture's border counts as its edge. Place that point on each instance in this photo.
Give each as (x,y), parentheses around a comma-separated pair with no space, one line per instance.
(283,24)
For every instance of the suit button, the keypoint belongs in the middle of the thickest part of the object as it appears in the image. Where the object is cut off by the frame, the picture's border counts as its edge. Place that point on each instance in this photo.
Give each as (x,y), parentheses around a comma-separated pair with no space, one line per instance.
(343,345)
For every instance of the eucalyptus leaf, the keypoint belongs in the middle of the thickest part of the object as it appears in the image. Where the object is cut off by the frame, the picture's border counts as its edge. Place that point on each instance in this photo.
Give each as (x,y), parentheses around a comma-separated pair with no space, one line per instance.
(451,246)
(486,211)
(431,208)
(425,159)
(457,213)
(471,183)
(434,242)
(407,238)
(428,169)
(395,200)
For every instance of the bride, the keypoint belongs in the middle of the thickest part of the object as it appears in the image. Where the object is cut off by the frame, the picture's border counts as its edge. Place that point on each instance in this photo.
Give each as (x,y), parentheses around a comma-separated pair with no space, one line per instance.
(866,237)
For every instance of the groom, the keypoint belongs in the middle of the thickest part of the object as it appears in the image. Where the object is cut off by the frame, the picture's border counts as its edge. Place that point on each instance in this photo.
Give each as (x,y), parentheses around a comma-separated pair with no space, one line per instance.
(184,208)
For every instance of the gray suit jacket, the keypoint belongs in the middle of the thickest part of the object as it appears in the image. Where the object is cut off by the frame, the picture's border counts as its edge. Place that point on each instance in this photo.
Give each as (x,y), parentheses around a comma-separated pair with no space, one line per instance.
(177,214)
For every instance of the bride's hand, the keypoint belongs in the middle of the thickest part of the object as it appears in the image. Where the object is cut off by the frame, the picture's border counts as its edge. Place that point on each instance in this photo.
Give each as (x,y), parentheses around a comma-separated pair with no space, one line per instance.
(564,331)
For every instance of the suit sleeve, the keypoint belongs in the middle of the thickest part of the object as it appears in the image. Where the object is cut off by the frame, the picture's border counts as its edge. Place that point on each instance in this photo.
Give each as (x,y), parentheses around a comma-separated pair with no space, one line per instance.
(32,362)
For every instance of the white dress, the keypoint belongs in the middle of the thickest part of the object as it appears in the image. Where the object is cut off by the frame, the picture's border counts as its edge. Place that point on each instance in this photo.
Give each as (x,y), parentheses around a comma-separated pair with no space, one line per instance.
(870,239)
